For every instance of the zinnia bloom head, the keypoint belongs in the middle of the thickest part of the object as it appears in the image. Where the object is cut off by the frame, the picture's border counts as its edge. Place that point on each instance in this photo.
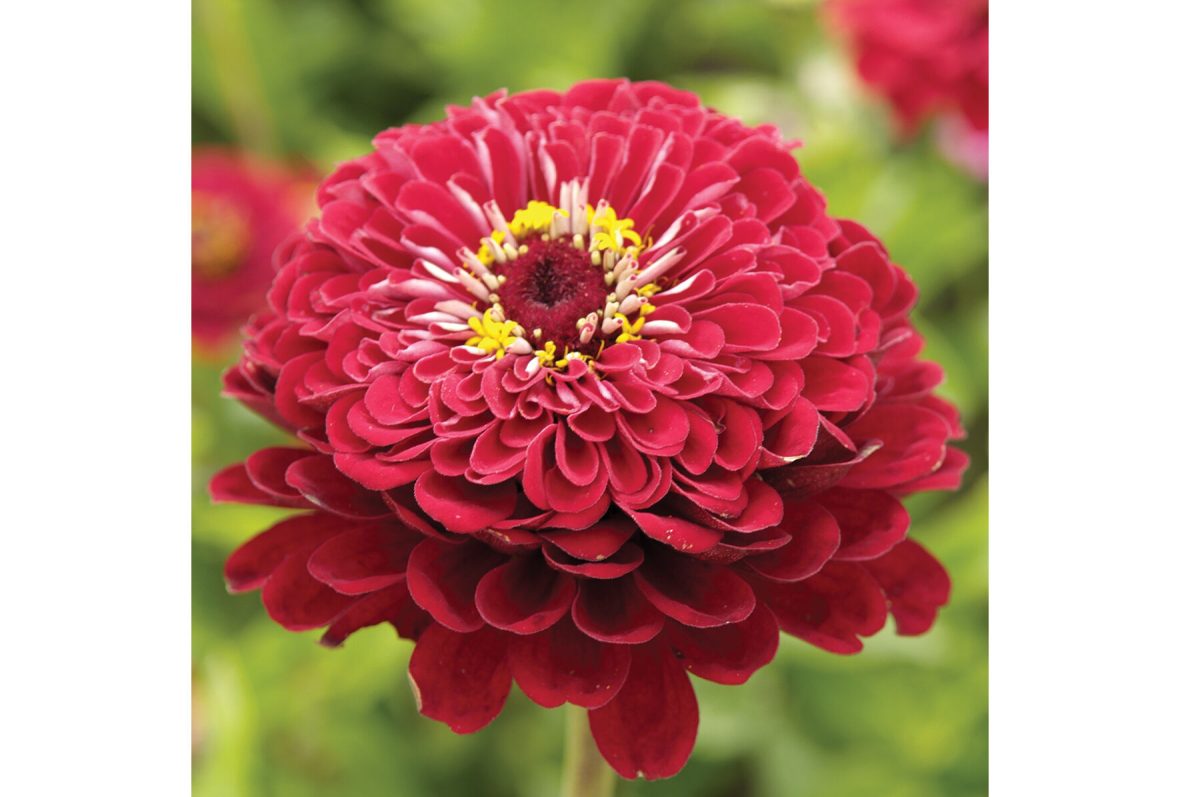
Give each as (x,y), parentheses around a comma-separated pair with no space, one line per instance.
(241,210)
(593,394)
(927,57)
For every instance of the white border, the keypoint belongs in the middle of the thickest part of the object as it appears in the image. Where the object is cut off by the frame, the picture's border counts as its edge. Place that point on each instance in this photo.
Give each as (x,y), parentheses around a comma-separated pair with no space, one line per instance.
(1094,327)
(95,326)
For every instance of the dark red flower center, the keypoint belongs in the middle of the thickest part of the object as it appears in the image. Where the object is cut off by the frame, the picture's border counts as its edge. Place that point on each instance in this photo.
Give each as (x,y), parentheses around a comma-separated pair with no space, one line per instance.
(549,288)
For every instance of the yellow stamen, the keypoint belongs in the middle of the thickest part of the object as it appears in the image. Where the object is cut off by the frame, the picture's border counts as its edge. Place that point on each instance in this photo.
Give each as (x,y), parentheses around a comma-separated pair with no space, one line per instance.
(491,334)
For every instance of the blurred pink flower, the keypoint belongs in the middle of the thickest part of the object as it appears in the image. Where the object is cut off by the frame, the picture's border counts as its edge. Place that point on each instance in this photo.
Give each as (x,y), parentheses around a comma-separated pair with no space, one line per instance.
(927,57)
(241,210)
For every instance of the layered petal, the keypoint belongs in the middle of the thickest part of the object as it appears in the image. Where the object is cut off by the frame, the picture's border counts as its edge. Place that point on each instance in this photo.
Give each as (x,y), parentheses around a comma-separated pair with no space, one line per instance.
(649,728)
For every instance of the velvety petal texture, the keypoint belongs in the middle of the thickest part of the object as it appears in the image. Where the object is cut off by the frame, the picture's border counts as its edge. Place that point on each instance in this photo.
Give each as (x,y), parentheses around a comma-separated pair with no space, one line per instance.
(590,394)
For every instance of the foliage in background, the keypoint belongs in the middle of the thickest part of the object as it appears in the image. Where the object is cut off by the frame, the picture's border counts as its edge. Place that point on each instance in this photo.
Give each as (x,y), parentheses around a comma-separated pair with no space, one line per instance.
(308,80)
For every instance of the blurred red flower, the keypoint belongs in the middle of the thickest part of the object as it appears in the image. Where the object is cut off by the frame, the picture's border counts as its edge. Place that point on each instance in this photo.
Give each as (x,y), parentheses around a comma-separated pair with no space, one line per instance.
(591,448)
(242,209)
(927,57)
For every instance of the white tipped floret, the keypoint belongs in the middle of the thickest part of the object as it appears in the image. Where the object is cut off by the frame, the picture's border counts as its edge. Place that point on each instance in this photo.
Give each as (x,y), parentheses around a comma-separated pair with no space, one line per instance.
(437,272)
(468,202)
(601,209)
(434,317)
(662,327)
(577,241)
(519,346)
(579,222)
(471,260)
(476,267)
(497,250)
(511,251)
(610,325)
(631,304)
(625,287)
(456,330)
(473,286)
(625,265)
(457,308)
(495,218)
(658,267)
(558,225)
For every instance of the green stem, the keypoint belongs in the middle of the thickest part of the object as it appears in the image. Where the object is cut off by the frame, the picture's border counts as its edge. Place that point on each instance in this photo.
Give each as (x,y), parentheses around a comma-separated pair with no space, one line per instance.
(585,772)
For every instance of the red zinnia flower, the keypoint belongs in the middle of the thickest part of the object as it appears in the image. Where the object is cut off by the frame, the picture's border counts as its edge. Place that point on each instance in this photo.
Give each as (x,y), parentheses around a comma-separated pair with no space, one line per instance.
(594,394)
(241,211)
(928,57)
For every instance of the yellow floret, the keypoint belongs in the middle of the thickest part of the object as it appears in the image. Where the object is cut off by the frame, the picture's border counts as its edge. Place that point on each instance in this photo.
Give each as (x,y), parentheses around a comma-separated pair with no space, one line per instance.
(533,218)
(491,334)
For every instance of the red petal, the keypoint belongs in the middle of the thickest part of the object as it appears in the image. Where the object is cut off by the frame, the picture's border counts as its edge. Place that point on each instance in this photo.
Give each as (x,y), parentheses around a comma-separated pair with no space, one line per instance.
(267,469)
(747,327)
(802,480)
(693,592)
(680,534)
(374,474)
(914,444)
(250,565)
(830,610)
(296,600)
(649,728)
(871,521)
(442,579)
(615,611)
(577,459)
(524,596)
(948,476)
(832,385)
(769,192)
(814,539)
(389,605)
(562,665)
(462,506)
(625,560)
(915,583)
(326,486)
(596,543)
(729,654)
(460,679)
(233,485)
(365,559)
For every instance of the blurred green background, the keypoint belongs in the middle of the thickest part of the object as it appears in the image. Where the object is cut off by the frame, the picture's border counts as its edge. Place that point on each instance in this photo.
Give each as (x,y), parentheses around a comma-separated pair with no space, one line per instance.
(312,81)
